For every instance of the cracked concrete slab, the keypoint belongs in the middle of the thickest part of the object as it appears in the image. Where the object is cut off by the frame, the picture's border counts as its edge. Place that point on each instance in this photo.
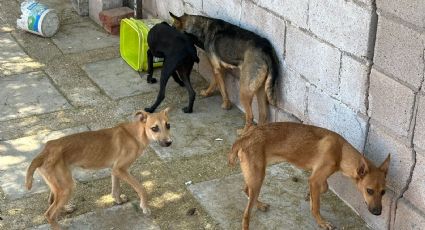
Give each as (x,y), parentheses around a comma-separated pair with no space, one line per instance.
(225,201)
(28,94)
(118,80)
(82,37)
(207,130)
(17,154)
(124,217)
(13,60)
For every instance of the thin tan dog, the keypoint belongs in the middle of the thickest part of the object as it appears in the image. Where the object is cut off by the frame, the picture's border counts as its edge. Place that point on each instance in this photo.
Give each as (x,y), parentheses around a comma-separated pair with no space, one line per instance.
(115,148)
(308,147)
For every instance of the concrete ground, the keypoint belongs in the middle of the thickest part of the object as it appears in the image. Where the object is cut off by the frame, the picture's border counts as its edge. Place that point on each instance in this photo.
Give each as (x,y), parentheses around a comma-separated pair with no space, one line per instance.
(76,81)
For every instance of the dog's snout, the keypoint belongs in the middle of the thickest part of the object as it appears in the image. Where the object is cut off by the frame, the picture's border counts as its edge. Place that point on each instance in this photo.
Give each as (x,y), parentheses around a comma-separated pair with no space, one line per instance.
(376,211)
(166,143)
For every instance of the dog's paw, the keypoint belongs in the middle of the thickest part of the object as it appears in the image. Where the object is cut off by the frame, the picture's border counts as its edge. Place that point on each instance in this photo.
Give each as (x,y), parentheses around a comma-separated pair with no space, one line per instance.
(147,211)
(149,110)
(121,199)
(187,110)
(205,93)
(151,80)
(263,206)
(326,225)
(69,208)
(226,105)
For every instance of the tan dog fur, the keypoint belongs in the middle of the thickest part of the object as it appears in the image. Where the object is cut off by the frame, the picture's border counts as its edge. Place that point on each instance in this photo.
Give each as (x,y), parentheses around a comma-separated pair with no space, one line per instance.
(308,147)
(115,148)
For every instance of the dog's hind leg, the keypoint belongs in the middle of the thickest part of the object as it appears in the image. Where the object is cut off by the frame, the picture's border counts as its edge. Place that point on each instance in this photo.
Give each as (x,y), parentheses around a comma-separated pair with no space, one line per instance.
(169,68)
(184,72)
(253,176)
(262,105)
(51,198)
(150,79)
(218,75)
(260,205)
(177,79)
(62,190)
(246,98)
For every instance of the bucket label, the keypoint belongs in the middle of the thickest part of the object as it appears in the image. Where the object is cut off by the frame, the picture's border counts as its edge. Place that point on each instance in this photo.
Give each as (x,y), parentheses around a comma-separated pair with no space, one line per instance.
(36,10)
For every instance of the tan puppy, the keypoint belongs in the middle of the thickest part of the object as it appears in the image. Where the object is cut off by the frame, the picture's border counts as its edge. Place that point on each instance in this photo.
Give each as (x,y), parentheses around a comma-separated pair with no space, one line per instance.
(115,148)
(308,147)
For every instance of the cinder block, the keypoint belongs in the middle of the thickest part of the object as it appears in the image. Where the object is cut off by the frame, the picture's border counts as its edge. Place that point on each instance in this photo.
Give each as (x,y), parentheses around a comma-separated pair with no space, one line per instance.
(113,17)
(112,29)
(408,217)
(316,61)
(284,116)
(96,6)
(378,145)
(295,11)
(354,83)
(192,6)
(348,192)
(416,192)
(291,93)
(81,7)
(412,11)
(150,6)
(164,7)
(419,139)
(342,23)
(270,26)
(325,111)
(399,51)
(390,103)
(227,10)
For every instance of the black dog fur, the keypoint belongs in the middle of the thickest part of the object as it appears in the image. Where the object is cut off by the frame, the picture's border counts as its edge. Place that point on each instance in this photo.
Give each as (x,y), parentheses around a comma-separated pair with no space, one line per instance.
(179,55)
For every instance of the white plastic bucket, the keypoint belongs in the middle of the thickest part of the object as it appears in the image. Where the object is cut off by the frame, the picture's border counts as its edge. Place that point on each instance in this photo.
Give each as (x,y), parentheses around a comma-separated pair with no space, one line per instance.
(37,18)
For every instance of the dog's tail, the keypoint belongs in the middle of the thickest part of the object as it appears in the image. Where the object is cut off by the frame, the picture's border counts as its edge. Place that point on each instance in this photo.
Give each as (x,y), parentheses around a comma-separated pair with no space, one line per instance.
(232,156)
(37,162)
(273,74)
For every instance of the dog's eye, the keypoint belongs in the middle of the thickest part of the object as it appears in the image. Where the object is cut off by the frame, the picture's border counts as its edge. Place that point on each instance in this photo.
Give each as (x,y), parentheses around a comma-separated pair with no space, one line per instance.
(155,129)
(369,191)
(167,125)
(382,192)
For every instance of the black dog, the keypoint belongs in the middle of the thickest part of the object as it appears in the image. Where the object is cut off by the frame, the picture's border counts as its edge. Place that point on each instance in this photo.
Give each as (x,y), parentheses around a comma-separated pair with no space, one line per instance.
(179,55)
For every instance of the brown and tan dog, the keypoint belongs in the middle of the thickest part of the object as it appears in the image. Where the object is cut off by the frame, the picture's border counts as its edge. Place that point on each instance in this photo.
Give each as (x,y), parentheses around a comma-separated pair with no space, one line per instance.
(308,147)
(115,148)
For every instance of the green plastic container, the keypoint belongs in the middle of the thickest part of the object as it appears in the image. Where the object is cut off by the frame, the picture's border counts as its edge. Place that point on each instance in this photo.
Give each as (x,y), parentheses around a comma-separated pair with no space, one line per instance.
(134,44)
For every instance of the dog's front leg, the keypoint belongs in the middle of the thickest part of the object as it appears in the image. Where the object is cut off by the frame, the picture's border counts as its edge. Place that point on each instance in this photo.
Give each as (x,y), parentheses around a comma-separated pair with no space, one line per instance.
(315,187)
(124,175)
(116,191)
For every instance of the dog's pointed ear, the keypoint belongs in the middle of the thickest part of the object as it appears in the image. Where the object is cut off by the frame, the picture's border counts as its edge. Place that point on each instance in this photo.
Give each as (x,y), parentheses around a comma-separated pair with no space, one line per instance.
(177,22)
(363,168)
(165,111)
(141,116)
(385,165)
(176,18)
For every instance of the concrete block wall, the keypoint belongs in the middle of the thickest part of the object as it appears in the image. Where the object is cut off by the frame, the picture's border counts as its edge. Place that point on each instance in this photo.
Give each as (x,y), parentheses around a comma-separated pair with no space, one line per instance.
(353,66)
